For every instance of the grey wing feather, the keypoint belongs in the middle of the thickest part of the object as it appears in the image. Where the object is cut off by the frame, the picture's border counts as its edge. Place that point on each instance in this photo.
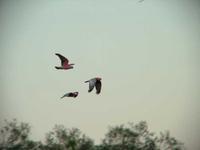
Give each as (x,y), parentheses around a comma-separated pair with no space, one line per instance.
(67,94)
(91,85)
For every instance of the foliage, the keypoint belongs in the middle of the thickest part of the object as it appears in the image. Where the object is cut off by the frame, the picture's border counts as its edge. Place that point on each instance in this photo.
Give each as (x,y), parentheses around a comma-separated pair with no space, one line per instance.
(135,137)
(15,136)
(166,142)
(138,137)
(71,139)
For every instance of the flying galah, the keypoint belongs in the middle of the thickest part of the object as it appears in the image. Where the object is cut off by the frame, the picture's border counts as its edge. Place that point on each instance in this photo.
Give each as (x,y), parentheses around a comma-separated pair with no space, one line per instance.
(64,63)
(94,82)
(70,94)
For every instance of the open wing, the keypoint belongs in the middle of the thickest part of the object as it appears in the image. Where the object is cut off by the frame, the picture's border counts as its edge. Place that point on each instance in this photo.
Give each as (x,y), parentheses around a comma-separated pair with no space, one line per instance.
(98,87)
(66,95)
(92,83)
(64,61)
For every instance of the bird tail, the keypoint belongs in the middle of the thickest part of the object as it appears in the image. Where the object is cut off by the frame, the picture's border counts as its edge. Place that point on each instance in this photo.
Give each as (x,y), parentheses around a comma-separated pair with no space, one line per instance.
(86,81)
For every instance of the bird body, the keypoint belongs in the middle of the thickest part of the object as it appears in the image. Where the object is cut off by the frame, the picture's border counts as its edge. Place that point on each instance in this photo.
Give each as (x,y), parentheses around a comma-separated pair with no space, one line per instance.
(70,94)
(94,82)
(64,63)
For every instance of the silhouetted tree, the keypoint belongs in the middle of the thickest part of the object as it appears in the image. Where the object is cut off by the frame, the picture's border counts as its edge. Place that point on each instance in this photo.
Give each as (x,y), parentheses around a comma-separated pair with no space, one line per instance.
(15,136)
(137,137)
(166,142)
(133,137)
(71,139)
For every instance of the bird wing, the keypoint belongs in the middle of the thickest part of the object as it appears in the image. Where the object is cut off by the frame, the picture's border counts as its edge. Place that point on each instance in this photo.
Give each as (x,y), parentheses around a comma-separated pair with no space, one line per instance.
(66,95)
(98,87)
(92,83)
(64,61)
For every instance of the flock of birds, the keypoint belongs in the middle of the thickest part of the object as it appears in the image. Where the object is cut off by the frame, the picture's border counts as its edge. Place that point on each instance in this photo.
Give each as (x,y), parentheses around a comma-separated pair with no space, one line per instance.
(94,82)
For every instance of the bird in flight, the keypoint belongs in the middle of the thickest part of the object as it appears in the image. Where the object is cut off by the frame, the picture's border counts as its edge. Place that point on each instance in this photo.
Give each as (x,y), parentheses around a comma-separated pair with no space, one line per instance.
(94,82)
(64,63)
(70,94)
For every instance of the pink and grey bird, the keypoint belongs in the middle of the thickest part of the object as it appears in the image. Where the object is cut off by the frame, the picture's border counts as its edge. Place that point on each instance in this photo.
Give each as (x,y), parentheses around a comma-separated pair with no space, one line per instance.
(64,63)
(70,94)
(94,82)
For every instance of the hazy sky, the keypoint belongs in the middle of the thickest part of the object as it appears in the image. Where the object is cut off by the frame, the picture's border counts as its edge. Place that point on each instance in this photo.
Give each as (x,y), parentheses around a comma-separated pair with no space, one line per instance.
(146,54)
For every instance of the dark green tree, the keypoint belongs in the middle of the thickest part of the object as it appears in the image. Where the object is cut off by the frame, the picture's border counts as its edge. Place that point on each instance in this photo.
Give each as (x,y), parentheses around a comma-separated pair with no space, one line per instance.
(166,142)
(133,137)
(137,137)
(15,136)
(67,139)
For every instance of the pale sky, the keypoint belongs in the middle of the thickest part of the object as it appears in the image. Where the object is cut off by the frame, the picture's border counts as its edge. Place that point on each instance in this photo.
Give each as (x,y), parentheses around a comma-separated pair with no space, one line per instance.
(146,54)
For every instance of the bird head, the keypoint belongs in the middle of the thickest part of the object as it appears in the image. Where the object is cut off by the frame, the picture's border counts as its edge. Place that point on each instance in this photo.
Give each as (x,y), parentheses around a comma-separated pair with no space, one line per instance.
(98,78)
(75,94)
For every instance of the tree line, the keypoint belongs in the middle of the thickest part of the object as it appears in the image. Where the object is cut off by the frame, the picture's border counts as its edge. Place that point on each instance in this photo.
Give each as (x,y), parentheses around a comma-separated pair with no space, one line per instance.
(15,135)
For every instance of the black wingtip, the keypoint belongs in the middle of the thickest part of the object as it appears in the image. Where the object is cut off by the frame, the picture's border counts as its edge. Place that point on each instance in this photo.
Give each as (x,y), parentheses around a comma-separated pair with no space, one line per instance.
(57,54)
(58,67)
